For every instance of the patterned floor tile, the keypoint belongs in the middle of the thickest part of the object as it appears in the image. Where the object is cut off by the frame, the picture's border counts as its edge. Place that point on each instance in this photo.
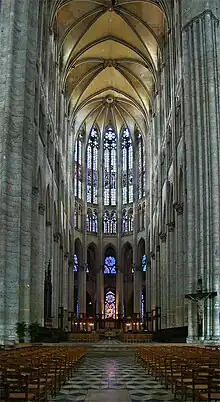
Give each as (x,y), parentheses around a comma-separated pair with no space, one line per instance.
(113,374)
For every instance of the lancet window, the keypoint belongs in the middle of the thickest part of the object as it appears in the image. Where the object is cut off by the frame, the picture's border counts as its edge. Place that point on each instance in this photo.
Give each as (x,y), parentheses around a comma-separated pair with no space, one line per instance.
(110,166)
(127,167)
(92,167)
(141,168)
(78,168)
(110,223)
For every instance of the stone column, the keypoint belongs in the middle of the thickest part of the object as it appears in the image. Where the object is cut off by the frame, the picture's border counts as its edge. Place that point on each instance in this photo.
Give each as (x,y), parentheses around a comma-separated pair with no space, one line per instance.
(121,295)
(55,279)
(163,276)
(102,292)
(65,282)
(19,24)
(158,279)
(41,265)
(82,289)
(70,290)
(180,285)
(137,290)
(171,277)
(98,294)
(35,240)
(200,41)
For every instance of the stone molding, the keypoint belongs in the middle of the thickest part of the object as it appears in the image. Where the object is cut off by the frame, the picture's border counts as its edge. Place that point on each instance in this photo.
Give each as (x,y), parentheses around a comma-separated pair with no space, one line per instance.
(35,190)
(66,255)
(56,237)
(163,237)
(152,255)
(178,206)
(171,226)
(200,17)
(158,248)
(41,208)
(48,223)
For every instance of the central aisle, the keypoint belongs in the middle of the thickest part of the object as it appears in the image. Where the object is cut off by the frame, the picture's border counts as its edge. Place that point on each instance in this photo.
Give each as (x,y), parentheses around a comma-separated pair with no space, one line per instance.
(112,379)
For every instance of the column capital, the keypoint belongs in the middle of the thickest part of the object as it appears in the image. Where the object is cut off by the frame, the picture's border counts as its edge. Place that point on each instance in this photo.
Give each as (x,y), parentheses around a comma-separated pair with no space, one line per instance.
(178,206)
(41,208)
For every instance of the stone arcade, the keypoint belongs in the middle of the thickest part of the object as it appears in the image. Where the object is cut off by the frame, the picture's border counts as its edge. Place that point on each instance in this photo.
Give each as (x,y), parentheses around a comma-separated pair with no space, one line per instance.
(110,181)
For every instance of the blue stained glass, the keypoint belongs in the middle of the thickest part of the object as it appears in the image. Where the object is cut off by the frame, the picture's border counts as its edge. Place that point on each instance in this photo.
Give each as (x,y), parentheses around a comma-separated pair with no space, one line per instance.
(144,263)
(75,263)
(92,166)
(110,265)
(110,304)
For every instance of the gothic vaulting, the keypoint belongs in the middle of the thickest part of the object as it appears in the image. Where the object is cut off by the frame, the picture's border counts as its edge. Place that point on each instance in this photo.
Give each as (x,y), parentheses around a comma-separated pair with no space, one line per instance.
(109,155)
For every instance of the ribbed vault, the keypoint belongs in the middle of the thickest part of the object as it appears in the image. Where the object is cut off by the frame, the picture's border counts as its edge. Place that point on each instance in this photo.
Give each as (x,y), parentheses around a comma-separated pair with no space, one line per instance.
(110,53)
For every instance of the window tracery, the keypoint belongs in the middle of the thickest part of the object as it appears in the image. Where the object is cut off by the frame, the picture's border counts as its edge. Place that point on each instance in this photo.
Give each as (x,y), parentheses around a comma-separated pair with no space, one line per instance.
(75,263)
(110,166)
(110,223)
(141,168)
(110,305)
(78,167)
(91,223)
(110,265)
(127,167)
(92,167)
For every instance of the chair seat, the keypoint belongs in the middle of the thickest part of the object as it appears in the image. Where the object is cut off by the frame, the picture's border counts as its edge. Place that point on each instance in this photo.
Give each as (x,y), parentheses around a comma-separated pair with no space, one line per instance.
(21,396)
(207,397)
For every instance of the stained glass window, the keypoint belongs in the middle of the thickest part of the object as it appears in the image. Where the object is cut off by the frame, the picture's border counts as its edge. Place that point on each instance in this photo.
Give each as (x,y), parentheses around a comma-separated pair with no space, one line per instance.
(127,167)
(110,265)
(87,268)
(130,221)
(124,222)
(94,222)
(75,263)
(113,225)
(87,223)
(110,305)
(78,168)
(110,167)
(106,222)
(110,223)
(144,263)
(74,218)
(92,167)
(141,168)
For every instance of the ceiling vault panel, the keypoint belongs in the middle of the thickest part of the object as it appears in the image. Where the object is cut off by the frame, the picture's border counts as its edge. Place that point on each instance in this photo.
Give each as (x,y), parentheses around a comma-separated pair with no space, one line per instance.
(110,53)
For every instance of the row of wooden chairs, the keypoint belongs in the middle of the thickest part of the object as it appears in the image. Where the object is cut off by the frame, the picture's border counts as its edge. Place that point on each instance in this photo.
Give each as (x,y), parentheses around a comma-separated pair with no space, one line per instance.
(31,375)
(84,337)
(137,338)
(189,371)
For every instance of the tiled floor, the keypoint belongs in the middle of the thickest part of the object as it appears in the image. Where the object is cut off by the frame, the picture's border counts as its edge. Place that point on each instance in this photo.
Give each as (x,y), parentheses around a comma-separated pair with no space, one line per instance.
(112,379)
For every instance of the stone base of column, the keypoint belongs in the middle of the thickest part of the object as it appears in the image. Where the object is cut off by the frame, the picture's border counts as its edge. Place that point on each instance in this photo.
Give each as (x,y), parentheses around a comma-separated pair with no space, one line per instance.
(212,341)
(193,339)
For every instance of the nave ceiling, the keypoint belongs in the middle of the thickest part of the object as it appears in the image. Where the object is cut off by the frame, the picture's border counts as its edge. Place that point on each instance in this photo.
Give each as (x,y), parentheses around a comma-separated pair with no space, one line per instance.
(109,57)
